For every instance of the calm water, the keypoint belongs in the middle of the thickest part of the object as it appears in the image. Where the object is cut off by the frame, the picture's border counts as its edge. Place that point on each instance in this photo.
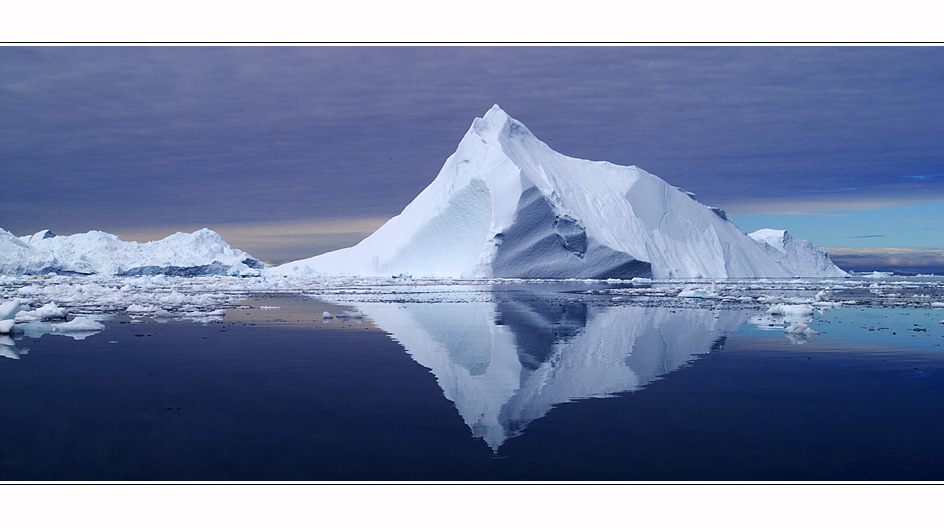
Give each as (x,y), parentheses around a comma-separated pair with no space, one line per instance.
(519,388)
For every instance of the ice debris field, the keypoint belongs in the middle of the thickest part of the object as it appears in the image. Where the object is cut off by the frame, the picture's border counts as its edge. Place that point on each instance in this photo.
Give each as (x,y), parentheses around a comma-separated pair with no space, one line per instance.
(37,305)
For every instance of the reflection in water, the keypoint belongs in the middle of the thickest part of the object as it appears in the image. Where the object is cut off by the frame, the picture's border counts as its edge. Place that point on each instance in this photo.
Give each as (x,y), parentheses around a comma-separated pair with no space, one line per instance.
(37,329)
(508,362)
(8,348)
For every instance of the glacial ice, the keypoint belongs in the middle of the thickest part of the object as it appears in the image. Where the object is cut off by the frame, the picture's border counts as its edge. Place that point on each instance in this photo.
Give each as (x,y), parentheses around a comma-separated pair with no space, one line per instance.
(203,252)
(506,205)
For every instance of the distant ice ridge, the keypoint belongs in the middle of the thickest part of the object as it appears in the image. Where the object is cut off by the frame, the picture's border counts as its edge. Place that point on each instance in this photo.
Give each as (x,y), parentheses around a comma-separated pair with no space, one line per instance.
(506,205)
(203,252)
(800,257)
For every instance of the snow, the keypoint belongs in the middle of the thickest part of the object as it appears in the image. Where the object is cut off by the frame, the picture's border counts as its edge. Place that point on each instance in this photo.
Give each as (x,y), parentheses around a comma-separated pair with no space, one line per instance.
(6,326)
(506,205)
(202,252)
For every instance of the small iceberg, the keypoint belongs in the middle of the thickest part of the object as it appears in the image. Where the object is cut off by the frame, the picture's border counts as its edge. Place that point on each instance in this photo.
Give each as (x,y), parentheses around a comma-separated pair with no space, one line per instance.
(79,324)
(697,293)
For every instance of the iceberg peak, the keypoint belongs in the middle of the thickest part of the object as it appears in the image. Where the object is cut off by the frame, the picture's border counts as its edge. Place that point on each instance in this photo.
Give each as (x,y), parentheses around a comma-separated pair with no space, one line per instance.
(497,126)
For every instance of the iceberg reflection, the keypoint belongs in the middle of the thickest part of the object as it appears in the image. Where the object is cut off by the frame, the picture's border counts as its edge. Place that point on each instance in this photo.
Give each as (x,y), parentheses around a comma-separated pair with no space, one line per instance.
(8,348)
(508,362)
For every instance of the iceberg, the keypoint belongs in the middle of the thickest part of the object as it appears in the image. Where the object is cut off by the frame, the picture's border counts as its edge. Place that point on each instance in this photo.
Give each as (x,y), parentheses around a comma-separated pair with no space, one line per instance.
(801,257)
(202,252)
(505,205)
(19,258)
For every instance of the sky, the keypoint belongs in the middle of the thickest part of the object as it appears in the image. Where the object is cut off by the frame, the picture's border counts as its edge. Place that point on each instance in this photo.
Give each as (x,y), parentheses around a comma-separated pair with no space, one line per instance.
(292,151)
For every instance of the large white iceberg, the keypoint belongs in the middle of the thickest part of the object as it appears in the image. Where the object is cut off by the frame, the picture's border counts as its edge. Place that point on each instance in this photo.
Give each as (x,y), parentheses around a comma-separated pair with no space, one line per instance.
(506,205)
(202,252)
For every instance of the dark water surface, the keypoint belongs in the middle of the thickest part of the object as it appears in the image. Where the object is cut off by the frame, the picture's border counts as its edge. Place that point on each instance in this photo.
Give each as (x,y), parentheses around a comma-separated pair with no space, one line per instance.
(510,390)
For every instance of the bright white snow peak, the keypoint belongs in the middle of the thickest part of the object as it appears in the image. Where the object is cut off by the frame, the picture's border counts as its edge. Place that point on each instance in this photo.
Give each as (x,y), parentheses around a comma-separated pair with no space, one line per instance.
(506,205)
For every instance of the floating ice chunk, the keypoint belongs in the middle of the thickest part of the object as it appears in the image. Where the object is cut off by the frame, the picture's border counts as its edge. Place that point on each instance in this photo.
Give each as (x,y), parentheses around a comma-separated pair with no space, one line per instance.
(270,307)
(640,280)
(8,310)
(799,328)
(141,309)
(697,293)
(6,326)
(821,296)
(937,305)
(46,312)
(79,324)
(326,315)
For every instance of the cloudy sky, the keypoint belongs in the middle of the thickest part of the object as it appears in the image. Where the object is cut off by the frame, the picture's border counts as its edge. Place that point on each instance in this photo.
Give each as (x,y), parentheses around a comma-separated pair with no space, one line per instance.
(292,151)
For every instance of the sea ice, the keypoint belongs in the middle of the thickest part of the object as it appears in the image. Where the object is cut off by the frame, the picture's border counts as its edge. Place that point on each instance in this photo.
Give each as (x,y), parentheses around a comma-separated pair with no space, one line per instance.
(79,324)
(6,326)
(43,313)
(9,309)
(697,293)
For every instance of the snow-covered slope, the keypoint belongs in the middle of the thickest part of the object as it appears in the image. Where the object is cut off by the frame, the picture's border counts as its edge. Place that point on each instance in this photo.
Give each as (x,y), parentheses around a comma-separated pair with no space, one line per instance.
(506,205)
(203,252)
(800,257)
